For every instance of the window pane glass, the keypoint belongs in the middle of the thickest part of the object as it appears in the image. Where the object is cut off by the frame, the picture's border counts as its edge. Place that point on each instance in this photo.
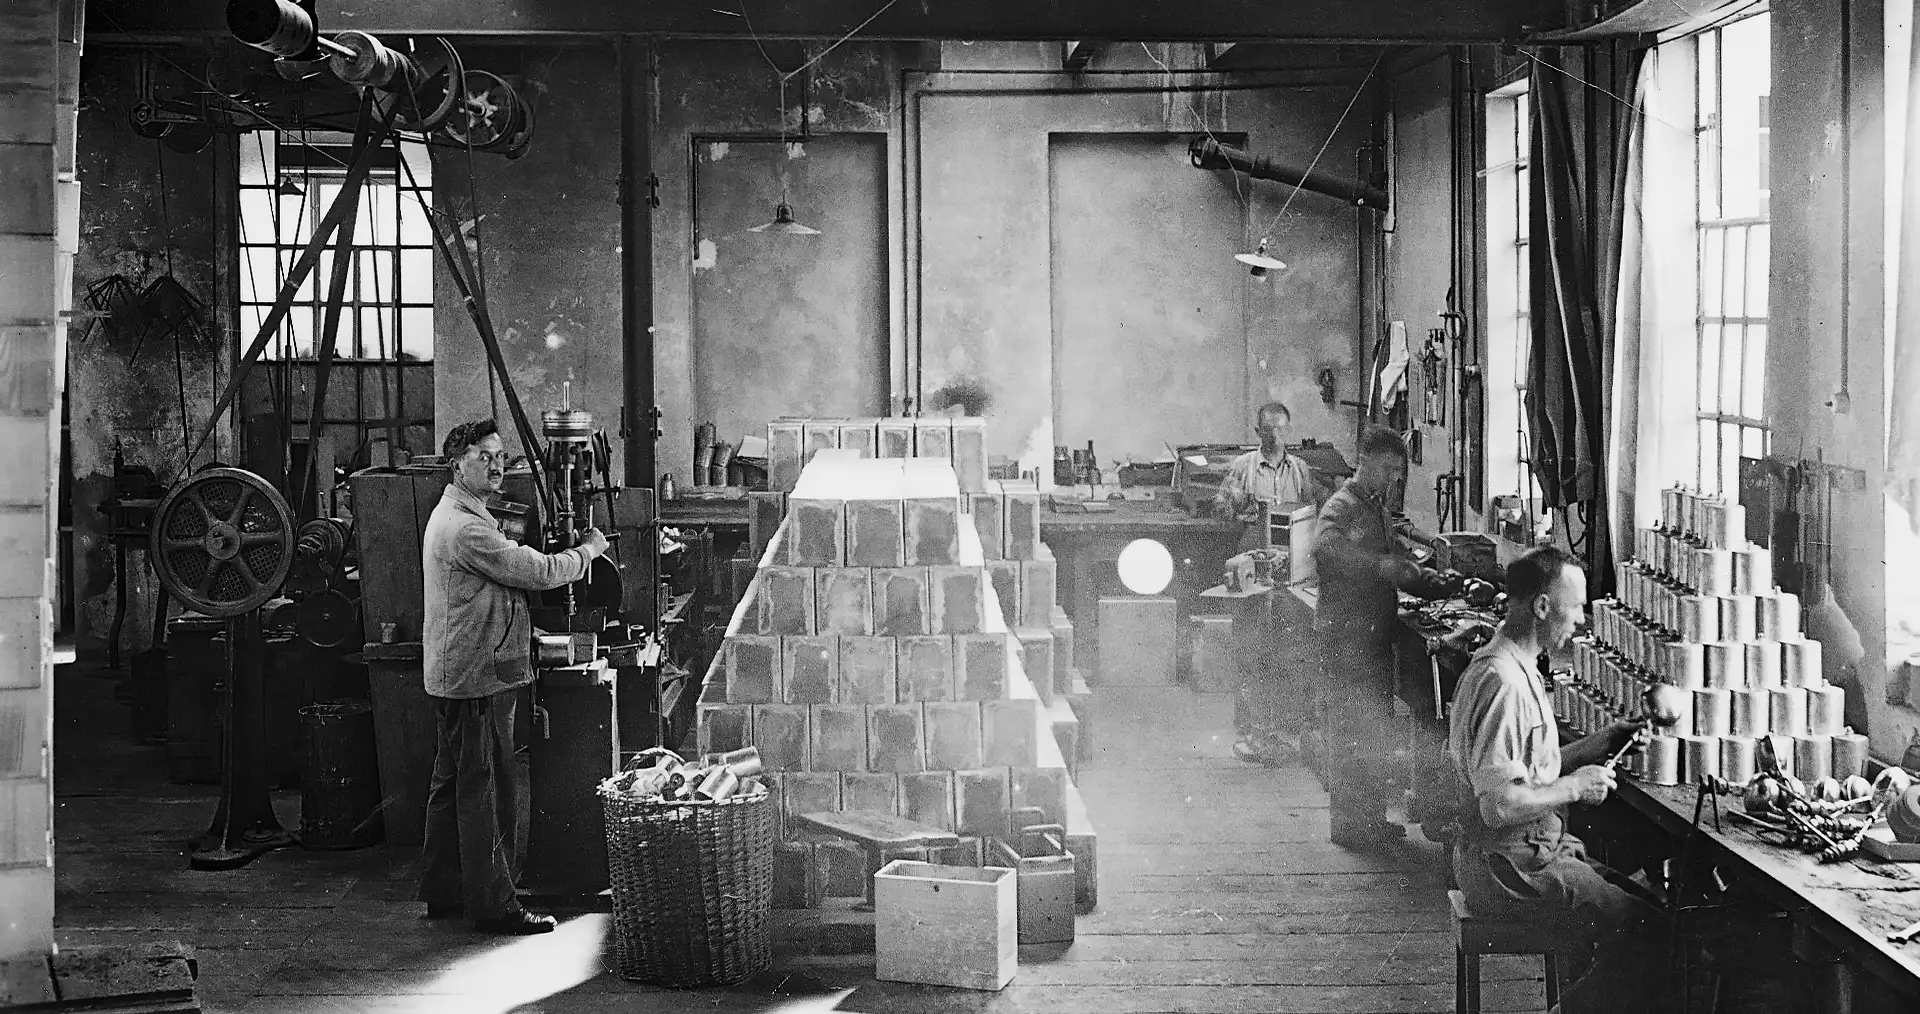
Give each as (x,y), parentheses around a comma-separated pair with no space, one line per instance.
(1759,269)
(416,275)
(376,332)
(413,220)
(375,282)
(256,215)
(1733,267)
(1523,126)
(1713,253)
(299,330)
(1754,388)
(1709,391)
(1522,202)
(377,211)
(1753,442)
(1703,467)
(287,257)
(257,157)
(1733,365)
(1729,458)
(416,334)
(296,218)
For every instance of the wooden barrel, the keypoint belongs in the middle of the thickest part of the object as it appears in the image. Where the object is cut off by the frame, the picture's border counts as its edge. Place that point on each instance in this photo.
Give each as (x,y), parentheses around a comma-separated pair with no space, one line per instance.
(340,785)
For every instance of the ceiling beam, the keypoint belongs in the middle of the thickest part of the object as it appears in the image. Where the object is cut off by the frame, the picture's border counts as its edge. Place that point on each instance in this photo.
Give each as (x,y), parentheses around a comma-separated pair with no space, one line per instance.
(1318,21)
(1075,56)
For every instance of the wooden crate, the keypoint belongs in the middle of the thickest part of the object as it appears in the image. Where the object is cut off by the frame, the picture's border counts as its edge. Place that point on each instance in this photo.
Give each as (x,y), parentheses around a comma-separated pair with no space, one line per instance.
(945,925)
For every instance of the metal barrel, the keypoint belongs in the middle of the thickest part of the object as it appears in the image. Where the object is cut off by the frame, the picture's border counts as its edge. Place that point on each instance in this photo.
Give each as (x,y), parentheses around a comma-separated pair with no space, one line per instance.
(340,790)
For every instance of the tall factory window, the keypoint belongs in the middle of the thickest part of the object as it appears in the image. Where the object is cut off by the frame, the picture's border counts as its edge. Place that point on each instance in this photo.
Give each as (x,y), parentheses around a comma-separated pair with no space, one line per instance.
(1509,302)
(287,183)
(1733,89)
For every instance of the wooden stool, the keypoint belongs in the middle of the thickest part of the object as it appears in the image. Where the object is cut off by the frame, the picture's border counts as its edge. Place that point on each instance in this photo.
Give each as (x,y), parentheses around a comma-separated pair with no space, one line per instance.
(882,836)
(1474,936)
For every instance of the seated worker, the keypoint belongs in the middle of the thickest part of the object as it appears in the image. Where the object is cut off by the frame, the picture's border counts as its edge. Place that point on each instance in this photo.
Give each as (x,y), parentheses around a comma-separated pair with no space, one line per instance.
(1256,482)
(1514,857)
(1362,568)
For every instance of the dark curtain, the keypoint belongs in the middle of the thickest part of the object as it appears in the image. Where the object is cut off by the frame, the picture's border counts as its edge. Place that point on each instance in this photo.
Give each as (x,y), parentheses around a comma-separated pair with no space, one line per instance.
(1578,171)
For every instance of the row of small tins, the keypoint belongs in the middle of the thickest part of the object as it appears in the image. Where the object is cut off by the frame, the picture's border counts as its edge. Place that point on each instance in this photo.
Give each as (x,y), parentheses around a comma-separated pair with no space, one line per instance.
(1772,615)
(1707,520)
(1688,663)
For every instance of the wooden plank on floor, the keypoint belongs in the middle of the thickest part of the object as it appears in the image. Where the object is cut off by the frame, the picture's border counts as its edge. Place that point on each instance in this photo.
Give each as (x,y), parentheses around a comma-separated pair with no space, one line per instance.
(1299,858)
(894,998)
(1328,893)
(1412,915)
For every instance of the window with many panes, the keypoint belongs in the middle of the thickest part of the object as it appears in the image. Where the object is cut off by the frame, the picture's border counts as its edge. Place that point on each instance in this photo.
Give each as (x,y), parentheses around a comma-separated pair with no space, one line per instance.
(1509,473)
(287,183)
(1733,88)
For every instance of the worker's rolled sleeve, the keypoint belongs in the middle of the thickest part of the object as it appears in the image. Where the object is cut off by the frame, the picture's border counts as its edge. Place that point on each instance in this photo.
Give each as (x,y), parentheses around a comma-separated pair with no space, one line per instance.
(1495,755)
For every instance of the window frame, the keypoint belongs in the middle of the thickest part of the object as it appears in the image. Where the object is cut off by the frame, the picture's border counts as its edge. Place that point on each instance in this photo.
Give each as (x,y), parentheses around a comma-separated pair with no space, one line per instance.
(390,294)
(1506,165)
(1722,437)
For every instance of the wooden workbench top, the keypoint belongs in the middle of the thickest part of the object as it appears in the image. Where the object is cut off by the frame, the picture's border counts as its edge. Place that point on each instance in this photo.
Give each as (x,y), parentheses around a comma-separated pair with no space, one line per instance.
(1143,517)
(1853,905)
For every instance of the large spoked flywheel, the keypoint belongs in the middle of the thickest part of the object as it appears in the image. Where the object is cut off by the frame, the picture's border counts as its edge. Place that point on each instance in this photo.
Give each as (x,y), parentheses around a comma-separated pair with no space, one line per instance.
(223,541)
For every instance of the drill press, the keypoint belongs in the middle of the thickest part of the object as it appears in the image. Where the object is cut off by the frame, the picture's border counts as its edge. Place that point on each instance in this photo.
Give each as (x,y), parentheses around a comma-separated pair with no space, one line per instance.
(585,652)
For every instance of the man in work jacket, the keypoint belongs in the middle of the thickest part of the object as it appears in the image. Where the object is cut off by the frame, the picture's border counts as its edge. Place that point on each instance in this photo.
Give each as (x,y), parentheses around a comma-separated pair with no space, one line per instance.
(478,635)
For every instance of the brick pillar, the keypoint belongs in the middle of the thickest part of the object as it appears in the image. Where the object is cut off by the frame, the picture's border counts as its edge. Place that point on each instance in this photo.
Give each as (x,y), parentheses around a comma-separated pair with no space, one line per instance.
(39,224)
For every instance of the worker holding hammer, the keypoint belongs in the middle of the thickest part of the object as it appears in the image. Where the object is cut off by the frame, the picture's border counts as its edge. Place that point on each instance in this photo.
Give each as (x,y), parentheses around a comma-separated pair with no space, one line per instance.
(1513,857)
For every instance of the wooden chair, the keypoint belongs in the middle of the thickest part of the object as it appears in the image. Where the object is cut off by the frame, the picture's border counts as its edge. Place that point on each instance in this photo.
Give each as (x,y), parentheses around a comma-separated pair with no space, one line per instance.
(1474,936)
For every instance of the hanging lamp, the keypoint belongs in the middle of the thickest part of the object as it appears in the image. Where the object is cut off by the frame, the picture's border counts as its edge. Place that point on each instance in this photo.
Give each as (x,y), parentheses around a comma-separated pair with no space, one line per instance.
(1259,262)
(784,224)
(783,221)
(288,188)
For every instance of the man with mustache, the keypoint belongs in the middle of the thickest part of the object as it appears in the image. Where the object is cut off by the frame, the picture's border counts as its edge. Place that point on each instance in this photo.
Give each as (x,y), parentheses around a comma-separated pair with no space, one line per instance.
(477,647)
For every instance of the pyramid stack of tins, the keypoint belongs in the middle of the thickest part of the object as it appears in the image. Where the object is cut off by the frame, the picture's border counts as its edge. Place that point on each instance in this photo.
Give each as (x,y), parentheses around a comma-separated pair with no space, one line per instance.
(877,663)
(1697,609)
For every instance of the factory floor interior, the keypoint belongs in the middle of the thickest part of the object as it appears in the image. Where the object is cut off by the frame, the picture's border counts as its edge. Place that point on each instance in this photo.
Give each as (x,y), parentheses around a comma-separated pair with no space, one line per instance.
(1218,893)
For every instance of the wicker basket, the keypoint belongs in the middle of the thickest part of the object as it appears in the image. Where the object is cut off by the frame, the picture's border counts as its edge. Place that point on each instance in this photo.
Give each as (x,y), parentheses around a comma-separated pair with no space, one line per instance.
(692,887)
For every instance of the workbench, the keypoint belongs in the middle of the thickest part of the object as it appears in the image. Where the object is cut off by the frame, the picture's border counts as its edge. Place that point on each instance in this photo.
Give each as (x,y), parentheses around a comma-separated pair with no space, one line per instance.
(1850,906)
(1088,546)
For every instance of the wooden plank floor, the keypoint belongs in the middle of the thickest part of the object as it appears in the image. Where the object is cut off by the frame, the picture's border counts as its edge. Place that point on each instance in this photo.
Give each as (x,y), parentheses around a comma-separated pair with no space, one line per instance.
(1219,893)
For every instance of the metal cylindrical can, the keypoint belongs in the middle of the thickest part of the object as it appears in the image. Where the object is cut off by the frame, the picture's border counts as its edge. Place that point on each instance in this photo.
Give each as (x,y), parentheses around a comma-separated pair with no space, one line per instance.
(340,780)
(1712,712)
(1787,711)
(1826,710)
(1849,755)
(1778,617)
(1726,665)
(1763,664)
(1812,758)
(1800,663)
(1662,763)
(718,785)
(1737,759)
(1738,618)
(1699,619)
(1700,758)
(1749,712)
(1716,571)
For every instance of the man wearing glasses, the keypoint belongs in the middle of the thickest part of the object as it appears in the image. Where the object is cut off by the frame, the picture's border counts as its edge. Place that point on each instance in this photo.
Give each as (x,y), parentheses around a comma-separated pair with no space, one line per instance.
(477,646)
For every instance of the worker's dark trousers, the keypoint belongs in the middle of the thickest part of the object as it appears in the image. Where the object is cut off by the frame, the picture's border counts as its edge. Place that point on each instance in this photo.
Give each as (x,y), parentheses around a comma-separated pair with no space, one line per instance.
(1358,695)
(471,814)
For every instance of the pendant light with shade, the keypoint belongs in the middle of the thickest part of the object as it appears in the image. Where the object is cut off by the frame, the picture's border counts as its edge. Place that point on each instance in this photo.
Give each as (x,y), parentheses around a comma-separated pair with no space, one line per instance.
(1260,263)
(784,224)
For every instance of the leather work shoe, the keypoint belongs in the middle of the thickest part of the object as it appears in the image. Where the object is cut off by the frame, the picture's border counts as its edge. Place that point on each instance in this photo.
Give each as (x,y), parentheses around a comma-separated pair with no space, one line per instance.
(521,923)
(1365,835)
(445,911)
